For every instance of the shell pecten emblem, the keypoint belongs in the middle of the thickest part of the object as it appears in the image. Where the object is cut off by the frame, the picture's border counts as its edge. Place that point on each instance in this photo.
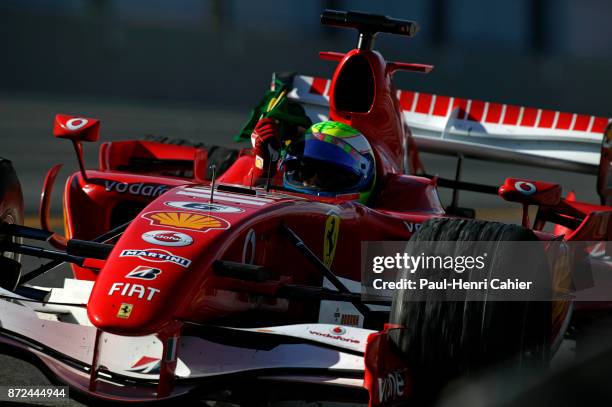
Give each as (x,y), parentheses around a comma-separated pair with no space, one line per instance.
(186,220)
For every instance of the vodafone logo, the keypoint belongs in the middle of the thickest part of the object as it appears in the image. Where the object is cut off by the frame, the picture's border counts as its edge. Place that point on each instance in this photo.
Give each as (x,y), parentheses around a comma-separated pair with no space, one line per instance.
(76,124)
(525,188)
(167,238)
(338,330)
(139,188)
(391,387)
(336,333)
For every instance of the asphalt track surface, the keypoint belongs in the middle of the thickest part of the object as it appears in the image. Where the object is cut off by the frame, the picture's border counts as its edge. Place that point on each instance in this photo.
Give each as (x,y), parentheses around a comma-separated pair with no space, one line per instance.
(26,138)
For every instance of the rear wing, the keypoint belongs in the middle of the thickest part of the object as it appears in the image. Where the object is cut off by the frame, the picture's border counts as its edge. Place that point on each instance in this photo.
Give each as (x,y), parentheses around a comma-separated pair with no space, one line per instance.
(486,130)
(483,130)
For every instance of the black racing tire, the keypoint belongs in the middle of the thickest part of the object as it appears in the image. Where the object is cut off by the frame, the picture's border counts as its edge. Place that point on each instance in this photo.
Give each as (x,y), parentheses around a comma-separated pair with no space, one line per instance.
(221,157)
(443,340)
(11,211)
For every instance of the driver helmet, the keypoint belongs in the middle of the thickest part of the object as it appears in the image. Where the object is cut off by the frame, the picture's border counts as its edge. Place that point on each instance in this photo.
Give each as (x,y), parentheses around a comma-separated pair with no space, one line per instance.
(331,159)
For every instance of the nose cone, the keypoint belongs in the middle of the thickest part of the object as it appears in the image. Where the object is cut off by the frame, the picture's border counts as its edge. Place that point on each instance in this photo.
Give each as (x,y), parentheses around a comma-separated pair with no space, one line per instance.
(126,316)
(162,262)
(133,296)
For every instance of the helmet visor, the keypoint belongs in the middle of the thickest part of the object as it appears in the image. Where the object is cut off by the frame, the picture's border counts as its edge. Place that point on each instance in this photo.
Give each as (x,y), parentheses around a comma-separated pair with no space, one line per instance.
(326,167)
(319,175)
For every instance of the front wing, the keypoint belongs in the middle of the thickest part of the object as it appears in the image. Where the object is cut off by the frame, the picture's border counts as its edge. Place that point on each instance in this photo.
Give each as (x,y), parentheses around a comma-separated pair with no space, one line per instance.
(128,368)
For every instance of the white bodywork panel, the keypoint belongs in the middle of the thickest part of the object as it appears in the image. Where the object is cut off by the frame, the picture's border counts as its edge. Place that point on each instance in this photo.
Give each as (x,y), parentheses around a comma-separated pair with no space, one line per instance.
(318,346)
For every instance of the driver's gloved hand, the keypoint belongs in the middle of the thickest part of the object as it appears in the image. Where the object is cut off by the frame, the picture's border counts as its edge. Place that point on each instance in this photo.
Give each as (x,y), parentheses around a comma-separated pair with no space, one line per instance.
(266,143)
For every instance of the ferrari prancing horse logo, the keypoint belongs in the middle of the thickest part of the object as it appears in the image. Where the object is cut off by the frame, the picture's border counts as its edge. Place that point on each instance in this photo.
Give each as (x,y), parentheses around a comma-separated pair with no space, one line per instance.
(125,310)
(332,226)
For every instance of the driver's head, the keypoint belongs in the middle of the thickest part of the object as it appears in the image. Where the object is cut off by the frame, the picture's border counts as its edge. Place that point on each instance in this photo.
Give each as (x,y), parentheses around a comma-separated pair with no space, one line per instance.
(330,160)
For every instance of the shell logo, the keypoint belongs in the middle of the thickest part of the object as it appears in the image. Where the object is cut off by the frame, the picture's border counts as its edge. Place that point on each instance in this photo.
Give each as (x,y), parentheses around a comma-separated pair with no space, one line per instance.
(186,220)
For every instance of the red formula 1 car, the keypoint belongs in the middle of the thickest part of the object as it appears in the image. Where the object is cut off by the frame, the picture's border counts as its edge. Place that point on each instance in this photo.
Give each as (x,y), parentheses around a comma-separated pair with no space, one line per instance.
(184,284)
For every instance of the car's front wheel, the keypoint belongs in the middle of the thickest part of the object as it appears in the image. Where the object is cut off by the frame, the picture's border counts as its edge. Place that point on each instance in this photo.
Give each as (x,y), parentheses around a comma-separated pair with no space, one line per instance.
(11,212)
(442,340)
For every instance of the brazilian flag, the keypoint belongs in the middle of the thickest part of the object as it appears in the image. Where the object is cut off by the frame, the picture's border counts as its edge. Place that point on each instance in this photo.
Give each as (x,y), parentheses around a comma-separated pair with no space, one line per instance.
(276,105)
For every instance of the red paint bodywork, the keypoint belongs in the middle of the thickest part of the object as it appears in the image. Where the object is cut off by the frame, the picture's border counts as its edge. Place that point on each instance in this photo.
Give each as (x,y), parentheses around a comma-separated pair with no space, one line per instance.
(382,124)
(194,293)
(387,377)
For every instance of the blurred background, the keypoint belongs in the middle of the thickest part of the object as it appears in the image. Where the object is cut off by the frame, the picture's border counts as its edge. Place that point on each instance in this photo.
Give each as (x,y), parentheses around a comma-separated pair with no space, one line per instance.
(194,68)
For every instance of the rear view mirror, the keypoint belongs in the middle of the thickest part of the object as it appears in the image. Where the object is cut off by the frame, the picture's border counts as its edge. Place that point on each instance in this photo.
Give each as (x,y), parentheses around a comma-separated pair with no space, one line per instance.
(76,128)
(530,192)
